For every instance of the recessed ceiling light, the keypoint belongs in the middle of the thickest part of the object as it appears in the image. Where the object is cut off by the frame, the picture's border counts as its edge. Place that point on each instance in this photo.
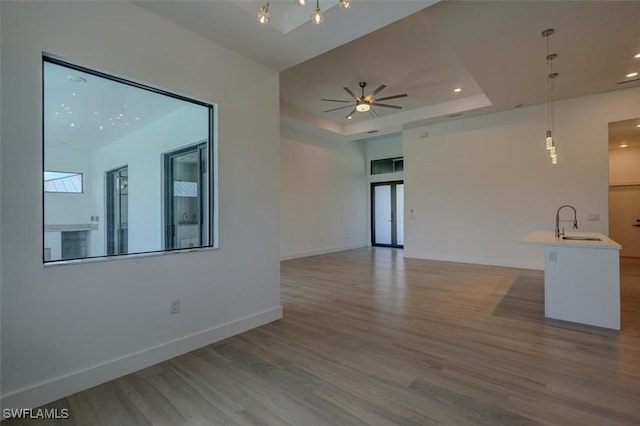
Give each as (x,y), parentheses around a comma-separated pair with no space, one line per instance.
(637,125)
(349,117)
(632,74)
(624,145)
(73,124)
(637,56)
(101,128)
(457,89)
(76,79)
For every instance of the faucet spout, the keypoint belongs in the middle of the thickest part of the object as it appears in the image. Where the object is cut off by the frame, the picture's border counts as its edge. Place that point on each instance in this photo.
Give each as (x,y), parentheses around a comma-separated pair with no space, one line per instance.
(575,220)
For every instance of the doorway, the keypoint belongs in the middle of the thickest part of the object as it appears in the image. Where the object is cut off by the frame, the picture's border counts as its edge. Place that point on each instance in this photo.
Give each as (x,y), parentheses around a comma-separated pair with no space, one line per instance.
(118,211)
(187,208)
(387,214)
(624,218)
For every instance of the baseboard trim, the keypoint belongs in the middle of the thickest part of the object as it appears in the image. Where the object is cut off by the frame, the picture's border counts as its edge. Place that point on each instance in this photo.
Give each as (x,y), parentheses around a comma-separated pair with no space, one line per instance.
(60,387)
(325,250)
(507,263)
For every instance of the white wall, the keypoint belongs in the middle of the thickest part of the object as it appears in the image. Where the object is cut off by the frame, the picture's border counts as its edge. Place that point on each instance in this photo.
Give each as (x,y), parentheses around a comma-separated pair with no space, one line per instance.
(388,146)
(323,195)
(142,151)
(67,208)
(624,166)
(69,327)
(476,186)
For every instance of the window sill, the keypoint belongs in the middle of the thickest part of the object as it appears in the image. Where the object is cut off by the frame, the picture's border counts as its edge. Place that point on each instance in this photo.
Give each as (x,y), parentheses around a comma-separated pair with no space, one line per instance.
(127,257)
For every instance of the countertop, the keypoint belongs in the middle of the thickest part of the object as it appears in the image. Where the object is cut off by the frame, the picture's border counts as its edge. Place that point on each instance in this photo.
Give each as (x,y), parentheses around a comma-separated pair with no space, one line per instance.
(548,238)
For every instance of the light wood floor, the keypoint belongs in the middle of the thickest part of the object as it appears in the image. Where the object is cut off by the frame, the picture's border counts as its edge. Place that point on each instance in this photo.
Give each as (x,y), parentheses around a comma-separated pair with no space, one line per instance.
(370,338)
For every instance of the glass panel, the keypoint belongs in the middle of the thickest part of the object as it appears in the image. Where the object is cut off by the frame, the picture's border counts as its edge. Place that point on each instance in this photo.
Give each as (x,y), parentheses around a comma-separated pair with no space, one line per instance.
(400,214)
(93,126)
(118,211)
(398,165)
(382,214)
(204,184)
(62,182)
(185,203)
(381,166)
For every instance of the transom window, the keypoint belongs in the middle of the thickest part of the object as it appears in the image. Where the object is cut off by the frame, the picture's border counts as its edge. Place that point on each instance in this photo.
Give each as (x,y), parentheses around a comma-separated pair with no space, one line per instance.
(387,165)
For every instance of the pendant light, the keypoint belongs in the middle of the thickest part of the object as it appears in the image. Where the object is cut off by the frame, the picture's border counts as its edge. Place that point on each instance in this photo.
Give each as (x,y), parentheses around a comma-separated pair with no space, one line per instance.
(317,17)
(550,144)
(263,14)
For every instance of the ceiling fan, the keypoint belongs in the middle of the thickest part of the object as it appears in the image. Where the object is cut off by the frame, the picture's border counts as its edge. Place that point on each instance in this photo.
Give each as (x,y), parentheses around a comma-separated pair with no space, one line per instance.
(364,103)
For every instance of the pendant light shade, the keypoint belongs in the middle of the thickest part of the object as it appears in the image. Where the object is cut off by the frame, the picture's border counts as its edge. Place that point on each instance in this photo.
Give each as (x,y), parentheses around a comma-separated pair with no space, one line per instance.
(317,17)
(263,14)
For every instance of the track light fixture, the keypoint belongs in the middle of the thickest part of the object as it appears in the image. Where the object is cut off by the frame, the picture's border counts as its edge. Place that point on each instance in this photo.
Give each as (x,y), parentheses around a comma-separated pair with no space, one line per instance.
(550,144)
(317,16)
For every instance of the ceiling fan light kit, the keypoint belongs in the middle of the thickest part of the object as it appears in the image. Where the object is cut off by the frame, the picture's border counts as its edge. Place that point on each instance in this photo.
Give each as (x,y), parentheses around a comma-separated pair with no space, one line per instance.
(317,17)
(364,103)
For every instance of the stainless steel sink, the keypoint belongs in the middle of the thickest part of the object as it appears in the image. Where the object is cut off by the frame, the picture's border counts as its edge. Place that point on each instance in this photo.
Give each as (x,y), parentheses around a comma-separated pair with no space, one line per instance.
(569,237)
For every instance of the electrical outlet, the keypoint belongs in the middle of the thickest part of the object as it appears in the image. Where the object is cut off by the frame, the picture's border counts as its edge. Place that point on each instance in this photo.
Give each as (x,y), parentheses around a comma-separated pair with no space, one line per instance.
(593,217)
(175,306)
(553,256)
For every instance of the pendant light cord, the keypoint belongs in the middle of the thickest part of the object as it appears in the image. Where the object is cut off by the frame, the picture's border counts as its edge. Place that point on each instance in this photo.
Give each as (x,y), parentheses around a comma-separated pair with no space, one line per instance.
(549,71)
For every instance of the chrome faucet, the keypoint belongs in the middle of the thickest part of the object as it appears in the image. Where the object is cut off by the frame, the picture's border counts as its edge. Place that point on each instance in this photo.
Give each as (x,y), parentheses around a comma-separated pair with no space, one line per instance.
(575,220)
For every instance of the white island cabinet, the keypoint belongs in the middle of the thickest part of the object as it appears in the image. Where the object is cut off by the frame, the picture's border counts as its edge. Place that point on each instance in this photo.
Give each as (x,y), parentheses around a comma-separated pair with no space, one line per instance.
(581,277)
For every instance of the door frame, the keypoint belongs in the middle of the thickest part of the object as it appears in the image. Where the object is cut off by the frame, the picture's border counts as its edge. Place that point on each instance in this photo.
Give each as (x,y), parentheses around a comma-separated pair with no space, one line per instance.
(168,194)
(394,229)
(114,245)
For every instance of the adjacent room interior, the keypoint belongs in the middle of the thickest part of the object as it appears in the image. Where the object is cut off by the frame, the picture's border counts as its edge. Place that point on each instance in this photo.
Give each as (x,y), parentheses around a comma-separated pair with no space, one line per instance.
(227,213)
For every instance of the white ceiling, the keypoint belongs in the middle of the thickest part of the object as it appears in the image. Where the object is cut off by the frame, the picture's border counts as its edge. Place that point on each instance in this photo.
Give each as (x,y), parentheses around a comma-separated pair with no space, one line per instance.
(493,50)
(88,114)
(626,132)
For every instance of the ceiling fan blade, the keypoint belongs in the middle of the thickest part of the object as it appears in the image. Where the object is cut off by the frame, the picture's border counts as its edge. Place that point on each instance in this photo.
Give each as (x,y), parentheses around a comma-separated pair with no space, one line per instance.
(336,100)
(350,114)
(404,95)
(353,95)
(386,105)
(375,92)
(373,113)
(335,109)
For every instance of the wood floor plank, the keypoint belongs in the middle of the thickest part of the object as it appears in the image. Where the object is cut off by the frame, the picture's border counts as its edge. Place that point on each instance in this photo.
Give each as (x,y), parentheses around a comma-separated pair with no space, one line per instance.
(371,338)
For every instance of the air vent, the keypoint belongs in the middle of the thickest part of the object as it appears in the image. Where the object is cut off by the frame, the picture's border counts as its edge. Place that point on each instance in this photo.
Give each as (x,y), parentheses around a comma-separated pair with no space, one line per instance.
(372,131)
(457,114)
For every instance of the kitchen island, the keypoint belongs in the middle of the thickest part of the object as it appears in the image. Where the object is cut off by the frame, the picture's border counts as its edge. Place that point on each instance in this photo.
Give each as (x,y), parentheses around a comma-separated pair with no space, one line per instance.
(581,277)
